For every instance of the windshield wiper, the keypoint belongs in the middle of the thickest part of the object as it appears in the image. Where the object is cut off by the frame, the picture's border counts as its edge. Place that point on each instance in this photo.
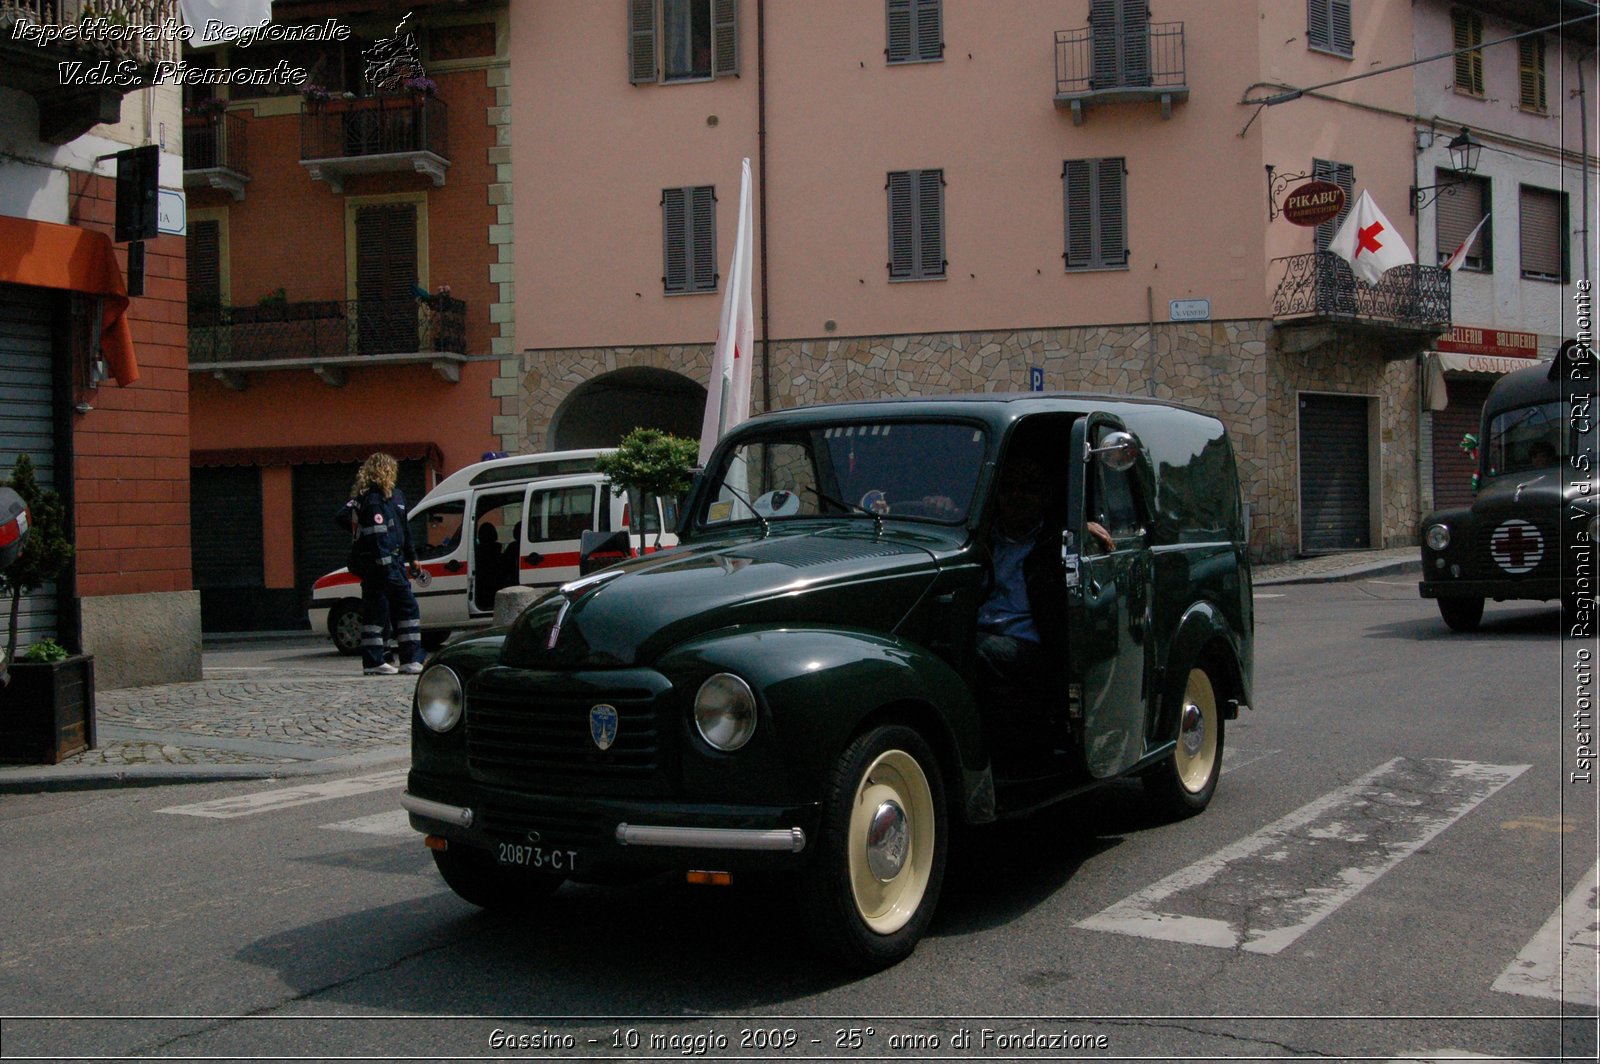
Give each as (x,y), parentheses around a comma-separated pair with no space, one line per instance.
(849,507)
(766,528)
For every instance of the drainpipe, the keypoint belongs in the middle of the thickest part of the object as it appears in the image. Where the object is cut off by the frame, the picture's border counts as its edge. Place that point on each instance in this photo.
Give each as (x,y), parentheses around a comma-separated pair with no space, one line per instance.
(761,197)
(1583,173)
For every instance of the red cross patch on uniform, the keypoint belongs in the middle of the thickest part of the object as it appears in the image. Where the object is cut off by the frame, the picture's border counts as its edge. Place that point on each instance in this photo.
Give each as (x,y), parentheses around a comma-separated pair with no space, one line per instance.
(377,519)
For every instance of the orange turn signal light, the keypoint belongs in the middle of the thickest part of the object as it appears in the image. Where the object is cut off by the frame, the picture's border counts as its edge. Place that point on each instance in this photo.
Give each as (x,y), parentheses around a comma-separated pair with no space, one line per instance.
(710,879)
(436,842)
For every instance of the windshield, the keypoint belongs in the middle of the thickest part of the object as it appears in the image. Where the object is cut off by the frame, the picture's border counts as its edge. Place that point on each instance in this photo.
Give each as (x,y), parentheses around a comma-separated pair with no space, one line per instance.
(1525,439)
(921,470)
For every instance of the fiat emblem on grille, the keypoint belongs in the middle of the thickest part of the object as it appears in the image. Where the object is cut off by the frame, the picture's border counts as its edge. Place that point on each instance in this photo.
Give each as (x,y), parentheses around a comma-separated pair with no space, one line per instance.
(1516,546)
(603,725)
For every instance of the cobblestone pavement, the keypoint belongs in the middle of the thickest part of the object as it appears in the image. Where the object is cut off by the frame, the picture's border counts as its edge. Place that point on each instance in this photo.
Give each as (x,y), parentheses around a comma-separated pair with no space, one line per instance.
(250,727)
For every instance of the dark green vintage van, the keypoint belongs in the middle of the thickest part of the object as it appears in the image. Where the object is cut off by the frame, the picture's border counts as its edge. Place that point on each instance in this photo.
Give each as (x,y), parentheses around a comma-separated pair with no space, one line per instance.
(792,689)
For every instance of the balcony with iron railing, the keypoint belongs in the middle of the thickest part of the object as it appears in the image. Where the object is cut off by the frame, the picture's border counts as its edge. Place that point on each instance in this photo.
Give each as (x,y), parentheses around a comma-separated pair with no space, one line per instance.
(328,336)
(375,134)
(215,150)
(1318,299)
(1120,64)
(33,49)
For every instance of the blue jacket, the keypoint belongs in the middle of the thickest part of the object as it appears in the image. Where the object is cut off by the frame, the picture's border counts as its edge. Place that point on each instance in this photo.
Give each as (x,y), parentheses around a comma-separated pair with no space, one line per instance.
(380,536)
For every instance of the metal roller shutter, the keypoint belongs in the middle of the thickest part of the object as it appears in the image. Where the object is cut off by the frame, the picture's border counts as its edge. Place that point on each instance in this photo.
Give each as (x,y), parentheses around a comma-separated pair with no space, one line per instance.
(225,523)
(1335,488)
(319,490)
(27,422)
(1453,467)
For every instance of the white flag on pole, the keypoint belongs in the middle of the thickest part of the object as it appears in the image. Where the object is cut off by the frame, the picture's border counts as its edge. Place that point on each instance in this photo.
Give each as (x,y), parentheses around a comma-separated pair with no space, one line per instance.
(728,390)
(1459,255)
(1369,243)
(230,14)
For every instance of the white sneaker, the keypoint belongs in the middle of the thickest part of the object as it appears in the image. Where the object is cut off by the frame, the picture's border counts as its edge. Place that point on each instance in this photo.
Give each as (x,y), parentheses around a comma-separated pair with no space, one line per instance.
(411,668)
(381,670)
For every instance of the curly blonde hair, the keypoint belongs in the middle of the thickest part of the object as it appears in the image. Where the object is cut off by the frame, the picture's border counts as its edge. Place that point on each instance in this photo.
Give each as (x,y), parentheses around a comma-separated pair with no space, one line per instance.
(378,473)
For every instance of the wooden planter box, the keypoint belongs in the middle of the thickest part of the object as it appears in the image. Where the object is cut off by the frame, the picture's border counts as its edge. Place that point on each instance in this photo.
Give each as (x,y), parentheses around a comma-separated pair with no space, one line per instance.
(47,711)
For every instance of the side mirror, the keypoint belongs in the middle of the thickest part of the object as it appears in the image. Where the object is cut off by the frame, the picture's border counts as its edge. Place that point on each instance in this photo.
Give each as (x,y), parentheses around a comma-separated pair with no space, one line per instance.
(596,550)
(13,526)
(1118,450)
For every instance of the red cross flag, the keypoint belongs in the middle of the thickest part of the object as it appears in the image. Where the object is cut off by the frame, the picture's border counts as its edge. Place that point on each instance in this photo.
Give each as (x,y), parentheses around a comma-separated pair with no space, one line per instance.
(1369,243)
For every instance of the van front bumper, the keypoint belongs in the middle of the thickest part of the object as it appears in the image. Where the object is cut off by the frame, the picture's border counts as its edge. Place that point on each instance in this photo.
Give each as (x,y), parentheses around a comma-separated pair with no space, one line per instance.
(1499,590)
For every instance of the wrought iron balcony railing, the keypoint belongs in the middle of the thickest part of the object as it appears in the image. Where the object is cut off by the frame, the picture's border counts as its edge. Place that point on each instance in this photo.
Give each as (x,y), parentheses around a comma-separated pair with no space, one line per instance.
(375,125)
(326,329)
(1121,64)
(212,142)
(114,32)
(1321,285)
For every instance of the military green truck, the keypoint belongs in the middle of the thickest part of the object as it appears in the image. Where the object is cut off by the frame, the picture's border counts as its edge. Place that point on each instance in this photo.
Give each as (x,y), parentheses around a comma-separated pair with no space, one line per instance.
(793,688)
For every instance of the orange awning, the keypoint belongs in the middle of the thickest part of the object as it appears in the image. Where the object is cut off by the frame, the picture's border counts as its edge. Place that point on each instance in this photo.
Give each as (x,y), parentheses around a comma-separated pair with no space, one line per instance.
(48,255)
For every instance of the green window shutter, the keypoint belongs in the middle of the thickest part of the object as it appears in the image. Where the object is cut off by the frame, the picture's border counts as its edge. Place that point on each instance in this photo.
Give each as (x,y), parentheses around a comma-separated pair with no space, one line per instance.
(703,239)
(930,223)
(1467,31)
(1343,175)
(1530,73)
(1110,221)
(928,21)
(641,41)
(1077,187)
(675,240)
(724,38)
(902,224)
(898,15)
(1133,28)
(1104,69)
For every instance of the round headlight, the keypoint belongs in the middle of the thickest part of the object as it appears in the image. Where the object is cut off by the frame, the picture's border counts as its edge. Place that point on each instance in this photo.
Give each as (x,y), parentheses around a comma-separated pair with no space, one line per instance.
(725,711)
(1438,537)
(439,698)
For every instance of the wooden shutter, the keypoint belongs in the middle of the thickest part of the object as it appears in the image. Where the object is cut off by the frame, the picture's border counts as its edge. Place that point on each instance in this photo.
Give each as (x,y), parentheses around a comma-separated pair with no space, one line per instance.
(1457,212)
(1103,72)
(1543,226)
(1133,27)
(928,22)
(1467,30)
(930,223)
(1530,73)
(203,249)
(1096,229)
(1340,38)
(1343,175)
(1077,180)
(386,278)
(703,239)
(641,41)
(898,16)
(902,225)
(1109,223)
(675,240)
(724,37)
(1318,19)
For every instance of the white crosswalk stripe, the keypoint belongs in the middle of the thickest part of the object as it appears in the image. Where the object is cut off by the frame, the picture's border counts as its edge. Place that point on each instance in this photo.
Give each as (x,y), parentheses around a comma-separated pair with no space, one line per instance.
(395,823)
(1257,895)
(1560,961)
(286,797)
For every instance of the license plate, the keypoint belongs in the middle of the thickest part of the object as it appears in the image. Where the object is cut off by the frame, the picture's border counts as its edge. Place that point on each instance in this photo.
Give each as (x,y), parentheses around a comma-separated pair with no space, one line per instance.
(536,858)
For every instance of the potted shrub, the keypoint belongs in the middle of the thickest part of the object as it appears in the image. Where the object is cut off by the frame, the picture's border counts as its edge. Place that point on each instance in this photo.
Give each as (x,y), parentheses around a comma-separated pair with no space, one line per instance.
(651,462)
(47,697)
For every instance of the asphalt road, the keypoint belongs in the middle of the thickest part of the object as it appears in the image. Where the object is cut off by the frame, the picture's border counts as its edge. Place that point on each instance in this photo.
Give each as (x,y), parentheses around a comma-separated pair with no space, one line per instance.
(1394,829)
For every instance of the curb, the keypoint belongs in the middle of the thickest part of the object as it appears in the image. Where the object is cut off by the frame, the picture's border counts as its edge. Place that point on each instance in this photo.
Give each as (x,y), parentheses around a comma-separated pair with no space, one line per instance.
(52,778)
(1354,572)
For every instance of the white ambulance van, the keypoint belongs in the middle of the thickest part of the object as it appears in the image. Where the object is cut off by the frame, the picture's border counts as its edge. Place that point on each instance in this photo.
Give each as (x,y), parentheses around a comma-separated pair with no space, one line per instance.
(495,524)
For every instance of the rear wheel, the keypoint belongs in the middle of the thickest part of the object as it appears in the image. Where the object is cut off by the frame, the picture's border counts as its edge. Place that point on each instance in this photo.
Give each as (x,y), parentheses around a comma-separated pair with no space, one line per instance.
(344,626)
(1184,784)
(1461,614)
(477,879)
(871,888)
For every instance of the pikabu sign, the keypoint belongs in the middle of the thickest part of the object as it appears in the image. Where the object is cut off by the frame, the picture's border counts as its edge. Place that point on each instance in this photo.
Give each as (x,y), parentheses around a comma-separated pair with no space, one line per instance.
(1313,203)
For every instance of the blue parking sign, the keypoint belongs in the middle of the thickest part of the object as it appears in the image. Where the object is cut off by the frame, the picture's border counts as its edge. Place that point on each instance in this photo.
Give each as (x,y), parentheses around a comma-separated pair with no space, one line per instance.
(1035,378)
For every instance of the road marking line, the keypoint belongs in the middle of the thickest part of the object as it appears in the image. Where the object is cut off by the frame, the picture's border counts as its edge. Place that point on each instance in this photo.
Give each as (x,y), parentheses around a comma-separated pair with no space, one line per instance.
(267,801)
(1254,895)
(396,823)
(1559,961)
(1263,594)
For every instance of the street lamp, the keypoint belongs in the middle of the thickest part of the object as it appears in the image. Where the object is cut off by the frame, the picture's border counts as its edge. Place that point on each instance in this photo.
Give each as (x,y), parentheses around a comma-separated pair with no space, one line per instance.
(1464,153)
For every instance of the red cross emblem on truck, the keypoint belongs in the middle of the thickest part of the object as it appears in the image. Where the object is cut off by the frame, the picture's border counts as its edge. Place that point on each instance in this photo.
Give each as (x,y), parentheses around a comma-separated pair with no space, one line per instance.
(1516,546)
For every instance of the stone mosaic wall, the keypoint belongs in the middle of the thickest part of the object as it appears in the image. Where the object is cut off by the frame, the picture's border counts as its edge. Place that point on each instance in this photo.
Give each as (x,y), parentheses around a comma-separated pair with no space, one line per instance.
(1228,368)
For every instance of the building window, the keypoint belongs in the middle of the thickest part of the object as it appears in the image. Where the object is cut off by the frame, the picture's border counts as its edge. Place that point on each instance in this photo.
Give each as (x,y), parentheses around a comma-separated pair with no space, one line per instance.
(1343,175)
(1530,74)
(916,225)
(1328,26)
(689,239)
(1119,43)
(916,31)
(387,278)
(1544,234)
(203,251)
(1095,192)
(1457,213)
(682,40)
(1467,28)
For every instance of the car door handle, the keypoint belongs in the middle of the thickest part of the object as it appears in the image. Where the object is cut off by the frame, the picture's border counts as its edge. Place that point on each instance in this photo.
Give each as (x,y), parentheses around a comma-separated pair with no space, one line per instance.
(453,566)
(533,557)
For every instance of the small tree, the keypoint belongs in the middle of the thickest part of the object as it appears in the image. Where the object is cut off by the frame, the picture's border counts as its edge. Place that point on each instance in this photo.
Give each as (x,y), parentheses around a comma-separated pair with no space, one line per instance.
(46,554)
(651,462)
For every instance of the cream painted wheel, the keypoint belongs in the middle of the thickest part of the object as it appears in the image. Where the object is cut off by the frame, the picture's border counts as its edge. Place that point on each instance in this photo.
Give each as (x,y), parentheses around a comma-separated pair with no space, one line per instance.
(1199,727)
(890,843)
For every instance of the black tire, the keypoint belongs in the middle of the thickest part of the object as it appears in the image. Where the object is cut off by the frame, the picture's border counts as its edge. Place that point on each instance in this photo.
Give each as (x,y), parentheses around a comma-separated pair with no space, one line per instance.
(476,878)
(433,638)
(1184,783)
(344,628)
(863,916)
(1461,614)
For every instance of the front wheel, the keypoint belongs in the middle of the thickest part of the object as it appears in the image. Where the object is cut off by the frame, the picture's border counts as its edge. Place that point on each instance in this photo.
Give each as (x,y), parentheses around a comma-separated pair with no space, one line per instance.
(474,876)
(1461,614)
(871,888)
(1183,784)
(344,627)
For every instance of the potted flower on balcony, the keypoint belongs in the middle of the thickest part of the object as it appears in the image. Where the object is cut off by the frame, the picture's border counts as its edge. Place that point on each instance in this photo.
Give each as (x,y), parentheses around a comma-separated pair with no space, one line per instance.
(47,701)
(208,108)
(420,86)
(314,96)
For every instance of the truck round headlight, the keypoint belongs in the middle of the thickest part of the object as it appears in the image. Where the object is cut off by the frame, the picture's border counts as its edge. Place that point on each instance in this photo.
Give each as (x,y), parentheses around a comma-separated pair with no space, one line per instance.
(439,698)
(725,711)
(1438,537)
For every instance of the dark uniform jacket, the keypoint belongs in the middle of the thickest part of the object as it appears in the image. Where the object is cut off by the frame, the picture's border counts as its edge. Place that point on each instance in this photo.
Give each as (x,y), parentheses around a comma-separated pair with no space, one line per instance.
(380,536)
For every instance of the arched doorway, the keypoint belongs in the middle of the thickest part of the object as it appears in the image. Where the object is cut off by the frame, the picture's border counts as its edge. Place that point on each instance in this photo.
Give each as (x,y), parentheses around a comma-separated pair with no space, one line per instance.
(600,412)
